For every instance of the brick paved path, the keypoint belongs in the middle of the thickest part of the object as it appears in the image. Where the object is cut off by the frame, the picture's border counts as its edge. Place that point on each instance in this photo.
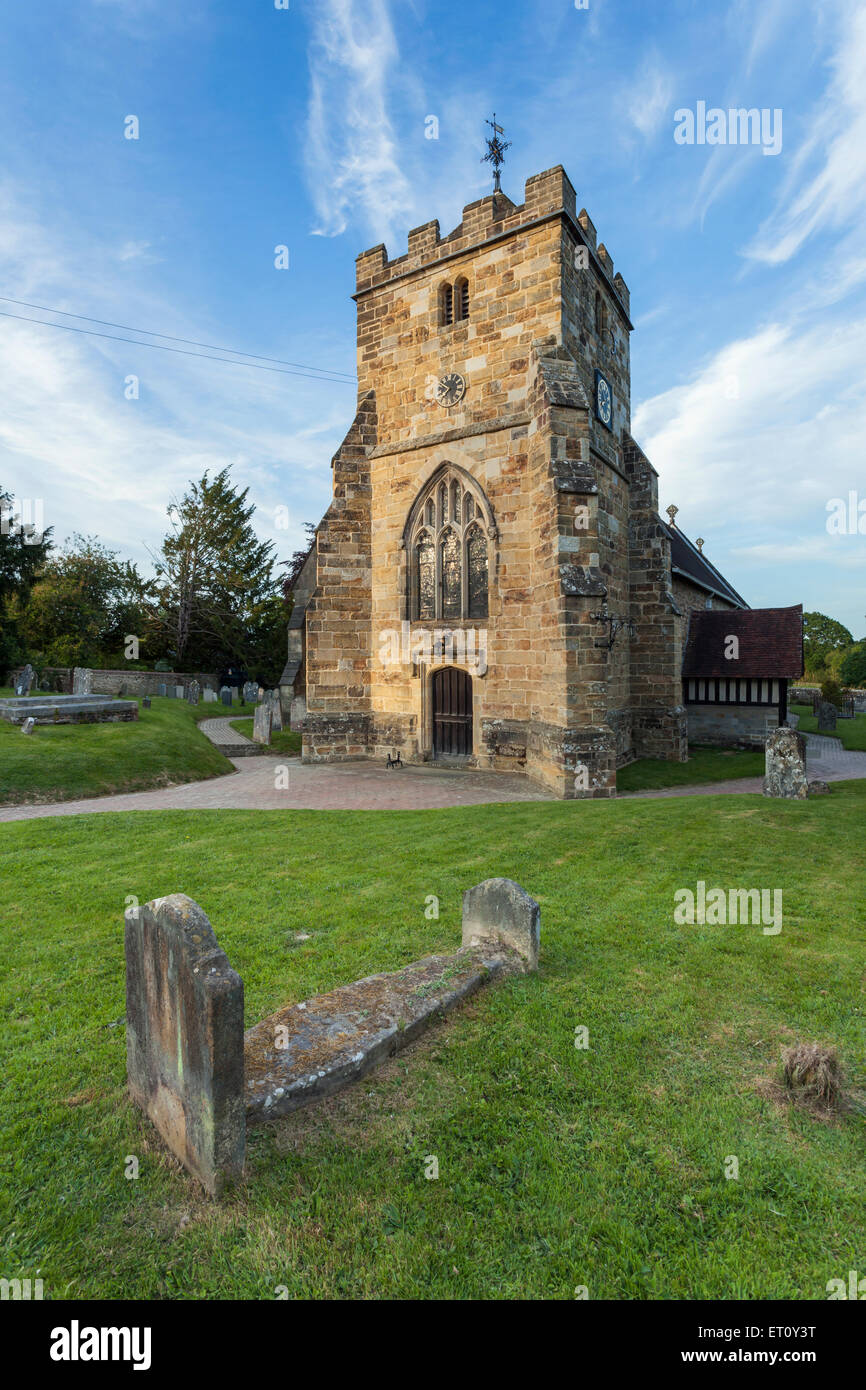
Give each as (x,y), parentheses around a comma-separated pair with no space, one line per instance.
(227,739)
(826,761)
(366,786)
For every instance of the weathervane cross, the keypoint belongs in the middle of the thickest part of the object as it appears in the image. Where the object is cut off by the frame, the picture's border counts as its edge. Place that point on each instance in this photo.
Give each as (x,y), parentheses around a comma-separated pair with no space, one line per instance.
(496,151)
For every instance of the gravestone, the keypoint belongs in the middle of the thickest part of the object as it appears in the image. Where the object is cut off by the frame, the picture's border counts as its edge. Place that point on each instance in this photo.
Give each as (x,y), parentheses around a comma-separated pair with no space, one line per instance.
(44,684)
(226,695)
(82,681)
(121,694)
(262,725)
(251,692)
(209,696)
(145,704)
(161,689)
(500,910)
(785,766)
(171,692)
(28,726)
(25,681)
(178,692)
(261,694)
(272,700)
(826,716)
(185,1037)
(193,692)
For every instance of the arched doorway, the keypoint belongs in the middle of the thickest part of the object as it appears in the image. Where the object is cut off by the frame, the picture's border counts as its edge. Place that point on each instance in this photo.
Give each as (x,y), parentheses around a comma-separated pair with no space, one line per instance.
(452,713)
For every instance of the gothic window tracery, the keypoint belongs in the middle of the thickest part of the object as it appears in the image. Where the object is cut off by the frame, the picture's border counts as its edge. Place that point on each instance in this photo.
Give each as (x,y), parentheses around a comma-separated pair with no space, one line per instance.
(447,544)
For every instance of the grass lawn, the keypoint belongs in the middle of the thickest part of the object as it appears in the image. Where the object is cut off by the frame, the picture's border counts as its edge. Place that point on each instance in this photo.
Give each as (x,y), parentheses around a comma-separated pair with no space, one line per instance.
(851,732)
(557,1167)
(65,761)
(282,740)
(705,765)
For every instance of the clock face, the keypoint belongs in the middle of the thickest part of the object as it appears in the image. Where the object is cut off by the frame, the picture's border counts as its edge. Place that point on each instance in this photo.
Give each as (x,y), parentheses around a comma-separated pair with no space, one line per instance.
(451,389)
(603,399)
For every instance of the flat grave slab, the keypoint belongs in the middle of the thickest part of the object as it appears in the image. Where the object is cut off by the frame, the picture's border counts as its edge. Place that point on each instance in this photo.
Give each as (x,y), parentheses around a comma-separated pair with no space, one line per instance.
(310,1050)
(68,709)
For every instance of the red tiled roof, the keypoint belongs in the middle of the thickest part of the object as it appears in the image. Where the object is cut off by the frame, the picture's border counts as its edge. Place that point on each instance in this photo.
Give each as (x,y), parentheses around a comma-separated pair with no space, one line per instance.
(770,642)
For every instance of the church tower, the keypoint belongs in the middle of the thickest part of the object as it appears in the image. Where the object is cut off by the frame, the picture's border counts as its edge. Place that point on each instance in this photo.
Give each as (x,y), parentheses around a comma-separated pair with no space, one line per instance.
(491,583)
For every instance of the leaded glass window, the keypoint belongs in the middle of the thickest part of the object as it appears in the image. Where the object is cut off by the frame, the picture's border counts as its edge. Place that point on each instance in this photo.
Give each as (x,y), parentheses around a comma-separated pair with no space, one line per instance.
(447,538)
(426,582)
(476,556)
(452,598)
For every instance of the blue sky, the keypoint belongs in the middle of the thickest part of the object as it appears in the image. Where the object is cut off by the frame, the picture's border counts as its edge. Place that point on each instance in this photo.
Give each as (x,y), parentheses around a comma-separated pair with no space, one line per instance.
(305,127)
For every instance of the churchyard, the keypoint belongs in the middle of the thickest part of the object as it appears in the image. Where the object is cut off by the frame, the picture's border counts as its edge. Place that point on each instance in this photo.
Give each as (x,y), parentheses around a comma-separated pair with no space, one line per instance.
(582,1119)
(67,761)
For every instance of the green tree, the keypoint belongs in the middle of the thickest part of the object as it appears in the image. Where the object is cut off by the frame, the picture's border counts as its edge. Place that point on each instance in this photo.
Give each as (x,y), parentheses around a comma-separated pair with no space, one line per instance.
(822,636)
(82,606)
(853,668)
(213,575)
(23,552)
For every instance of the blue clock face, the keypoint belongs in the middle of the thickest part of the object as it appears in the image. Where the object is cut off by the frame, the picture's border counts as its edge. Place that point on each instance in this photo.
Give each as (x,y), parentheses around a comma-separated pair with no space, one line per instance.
(603,399)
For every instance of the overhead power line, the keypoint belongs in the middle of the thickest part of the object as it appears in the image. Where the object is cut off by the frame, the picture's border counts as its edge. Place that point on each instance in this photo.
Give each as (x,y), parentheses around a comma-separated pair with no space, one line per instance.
(285,369)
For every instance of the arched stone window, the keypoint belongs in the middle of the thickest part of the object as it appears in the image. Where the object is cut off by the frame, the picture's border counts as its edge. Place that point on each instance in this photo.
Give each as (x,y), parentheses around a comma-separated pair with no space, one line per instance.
(446,305)
(447,539)
(461,298)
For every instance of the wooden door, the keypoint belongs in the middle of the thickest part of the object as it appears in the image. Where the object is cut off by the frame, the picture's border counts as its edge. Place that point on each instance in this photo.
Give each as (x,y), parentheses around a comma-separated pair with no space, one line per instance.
(452,713)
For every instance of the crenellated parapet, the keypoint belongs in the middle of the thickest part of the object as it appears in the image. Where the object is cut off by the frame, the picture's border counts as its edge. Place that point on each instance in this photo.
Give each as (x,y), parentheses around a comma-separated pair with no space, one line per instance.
(546,195)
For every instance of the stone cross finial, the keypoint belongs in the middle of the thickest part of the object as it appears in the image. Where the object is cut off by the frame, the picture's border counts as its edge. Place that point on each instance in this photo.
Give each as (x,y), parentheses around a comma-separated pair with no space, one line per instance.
(672,511)
(700,544)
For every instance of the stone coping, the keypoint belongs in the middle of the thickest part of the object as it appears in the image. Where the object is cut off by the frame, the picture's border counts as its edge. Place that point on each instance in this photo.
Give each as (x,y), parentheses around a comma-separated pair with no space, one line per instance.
(307,1051)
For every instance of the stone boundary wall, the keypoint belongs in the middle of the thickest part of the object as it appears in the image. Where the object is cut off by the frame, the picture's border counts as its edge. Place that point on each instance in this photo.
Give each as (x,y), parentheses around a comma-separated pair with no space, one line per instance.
(732,725)
(138,683)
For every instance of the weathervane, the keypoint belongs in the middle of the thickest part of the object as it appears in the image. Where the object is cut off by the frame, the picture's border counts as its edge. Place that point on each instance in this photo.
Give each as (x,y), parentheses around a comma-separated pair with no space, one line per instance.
(496,151)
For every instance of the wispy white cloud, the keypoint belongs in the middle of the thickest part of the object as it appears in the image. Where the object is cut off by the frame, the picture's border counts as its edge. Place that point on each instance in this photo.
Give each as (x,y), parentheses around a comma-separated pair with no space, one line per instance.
(106,464)
(650,93)
(353,164)
(826,185)
(764,433)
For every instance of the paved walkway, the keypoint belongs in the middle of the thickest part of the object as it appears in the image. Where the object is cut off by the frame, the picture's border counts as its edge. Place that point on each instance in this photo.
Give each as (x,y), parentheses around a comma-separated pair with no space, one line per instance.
(826,761)
(227,739)
(259,784)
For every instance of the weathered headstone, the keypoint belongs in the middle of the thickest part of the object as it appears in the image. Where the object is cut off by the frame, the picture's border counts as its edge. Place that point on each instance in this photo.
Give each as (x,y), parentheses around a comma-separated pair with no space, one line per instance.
(82,681)
(209,696)
(818,788)
(161,689)
(272,699)
(145,704)
(193,692)
(785,765)
(44,684)
(261,692)
(226,695)
(185,1037)
(28,726)
(171,692)
(24,683)
(500,910)
(262,725)
(826,716)
(250,692)
(178,692)
(122,691)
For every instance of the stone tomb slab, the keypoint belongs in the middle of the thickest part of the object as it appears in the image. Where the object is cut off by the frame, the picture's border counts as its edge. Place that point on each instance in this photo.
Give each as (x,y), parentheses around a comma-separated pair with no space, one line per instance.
(309,1050)
(68,709)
